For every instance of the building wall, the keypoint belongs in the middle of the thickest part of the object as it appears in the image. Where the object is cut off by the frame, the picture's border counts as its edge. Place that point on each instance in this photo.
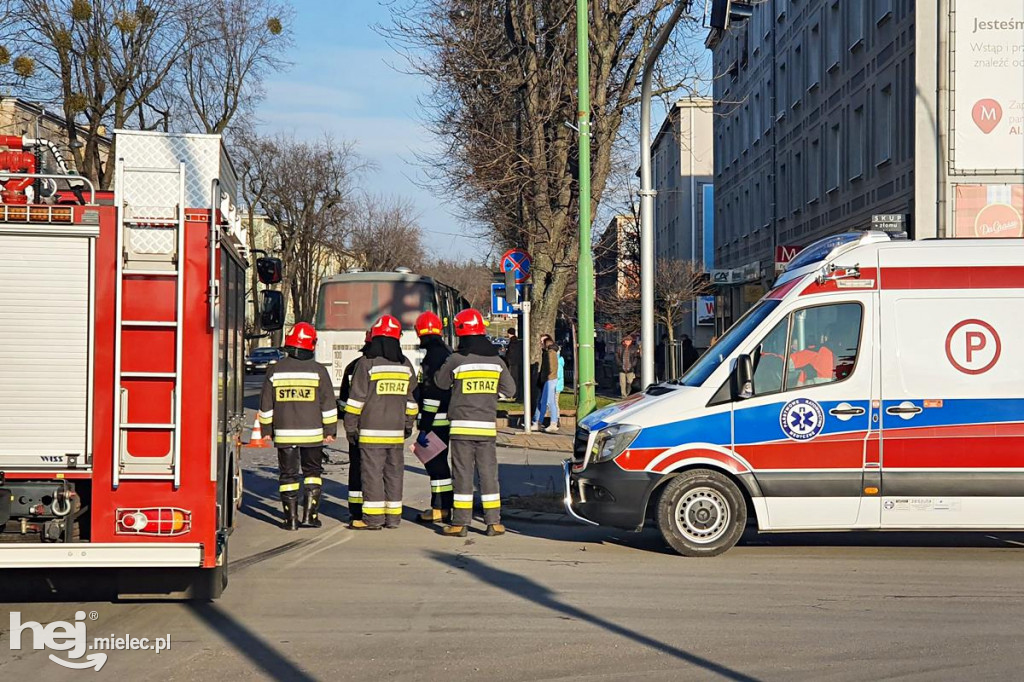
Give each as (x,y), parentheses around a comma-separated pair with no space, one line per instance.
(683,158)
(815,104)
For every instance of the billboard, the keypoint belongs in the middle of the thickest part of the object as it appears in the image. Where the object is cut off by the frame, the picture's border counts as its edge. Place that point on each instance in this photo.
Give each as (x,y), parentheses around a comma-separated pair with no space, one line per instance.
(705,310)
(988,211)
(987,83)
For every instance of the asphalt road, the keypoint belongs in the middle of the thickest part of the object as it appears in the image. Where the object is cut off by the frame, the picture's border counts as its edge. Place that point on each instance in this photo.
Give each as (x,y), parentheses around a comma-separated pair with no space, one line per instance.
(559,602)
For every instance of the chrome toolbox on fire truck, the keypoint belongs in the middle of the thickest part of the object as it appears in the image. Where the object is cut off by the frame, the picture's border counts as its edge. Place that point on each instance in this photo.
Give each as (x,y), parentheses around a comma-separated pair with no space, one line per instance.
(115,439)
(878,386)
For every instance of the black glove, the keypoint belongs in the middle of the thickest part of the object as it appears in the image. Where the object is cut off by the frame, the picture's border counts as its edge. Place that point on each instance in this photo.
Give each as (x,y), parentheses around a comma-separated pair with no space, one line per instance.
(408,431)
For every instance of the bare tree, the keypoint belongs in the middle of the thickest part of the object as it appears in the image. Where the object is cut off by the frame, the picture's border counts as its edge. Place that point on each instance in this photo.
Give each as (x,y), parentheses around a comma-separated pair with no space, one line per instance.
(504,84)
(677,285)
(472,279)
(236,44)
(104,59)
(306,190)
(384,233)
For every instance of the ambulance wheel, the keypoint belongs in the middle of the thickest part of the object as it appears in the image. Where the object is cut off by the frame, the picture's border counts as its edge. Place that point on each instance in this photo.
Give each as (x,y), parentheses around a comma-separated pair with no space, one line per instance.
(701,513)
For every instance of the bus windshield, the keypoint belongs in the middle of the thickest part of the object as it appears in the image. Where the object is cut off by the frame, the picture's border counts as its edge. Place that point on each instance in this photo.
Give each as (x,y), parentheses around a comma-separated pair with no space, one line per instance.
(354,306)
(716,355)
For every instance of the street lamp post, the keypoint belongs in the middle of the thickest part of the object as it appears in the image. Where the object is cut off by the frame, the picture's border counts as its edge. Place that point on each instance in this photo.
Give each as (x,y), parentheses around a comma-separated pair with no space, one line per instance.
(647,194)
(585,267)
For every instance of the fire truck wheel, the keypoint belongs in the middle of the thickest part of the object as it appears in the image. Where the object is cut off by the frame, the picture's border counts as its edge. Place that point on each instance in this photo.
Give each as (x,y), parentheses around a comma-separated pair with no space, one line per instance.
(701,513)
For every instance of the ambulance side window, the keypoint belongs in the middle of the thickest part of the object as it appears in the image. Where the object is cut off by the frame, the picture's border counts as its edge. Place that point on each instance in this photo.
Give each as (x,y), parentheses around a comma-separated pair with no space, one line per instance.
(811,347)
(770,360)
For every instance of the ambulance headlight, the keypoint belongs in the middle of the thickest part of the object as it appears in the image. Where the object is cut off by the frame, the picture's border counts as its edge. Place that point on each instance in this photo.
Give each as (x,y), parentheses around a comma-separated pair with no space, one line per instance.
(610,442)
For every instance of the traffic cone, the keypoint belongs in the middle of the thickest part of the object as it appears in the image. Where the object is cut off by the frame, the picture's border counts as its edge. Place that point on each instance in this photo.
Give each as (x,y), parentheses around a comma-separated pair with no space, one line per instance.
(256,440)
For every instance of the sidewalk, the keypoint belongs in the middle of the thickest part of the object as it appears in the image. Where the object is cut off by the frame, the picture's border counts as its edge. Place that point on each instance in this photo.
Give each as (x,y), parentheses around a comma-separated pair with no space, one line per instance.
(538,440)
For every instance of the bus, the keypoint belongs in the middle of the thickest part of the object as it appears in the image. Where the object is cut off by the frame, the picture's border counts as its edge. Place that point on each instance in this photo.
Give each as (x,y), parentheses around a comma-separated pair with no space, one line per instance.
(350,302)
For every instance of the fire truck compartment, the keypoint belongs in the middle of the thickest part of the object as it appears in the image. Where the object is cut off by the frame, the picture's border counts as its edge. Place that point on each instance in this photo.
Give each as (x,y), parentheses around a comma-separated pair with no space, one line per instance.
(45,346)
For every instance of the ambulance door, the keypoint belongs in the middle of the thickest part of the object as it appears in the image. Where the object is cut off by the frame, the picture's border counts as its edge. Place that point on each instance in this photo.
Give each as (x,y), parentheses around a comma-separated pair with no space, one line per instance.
(804,432)
(952,390)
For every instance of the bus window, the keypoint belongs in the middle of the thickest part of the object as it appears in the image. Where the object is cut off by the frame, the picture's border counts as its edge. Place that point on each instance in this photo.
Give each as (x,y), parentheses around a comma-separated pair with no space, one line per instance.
(352,306)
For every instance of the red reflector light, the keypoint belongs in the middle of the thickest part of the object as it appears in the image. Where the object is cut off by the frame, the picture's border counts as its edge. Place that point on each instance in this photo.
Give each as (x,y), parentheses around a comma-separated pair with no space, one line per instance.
(158,521)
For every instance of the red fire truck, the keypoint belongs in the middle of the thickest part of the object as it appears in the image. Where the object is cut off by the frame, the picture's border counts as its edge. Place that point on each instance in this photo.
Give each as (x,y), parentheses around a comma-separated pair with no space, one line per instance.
(121,364)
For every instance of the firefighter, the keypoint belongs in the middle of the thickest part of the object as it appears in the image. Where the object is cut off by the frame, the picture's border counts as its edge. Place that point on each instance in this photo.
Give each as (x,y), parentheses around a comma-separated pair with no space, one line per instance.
(355,484)
(297,410)
(433,418)
(476,377)
(380,411)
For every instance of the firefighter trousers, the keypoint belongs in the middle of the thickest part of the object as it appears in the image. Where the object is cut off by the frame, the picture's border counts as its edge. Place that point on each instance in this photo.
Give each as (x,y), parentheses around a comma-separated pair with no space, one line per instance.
(383,472)
(440,474)
(355,481)
(480,457)
(299,466)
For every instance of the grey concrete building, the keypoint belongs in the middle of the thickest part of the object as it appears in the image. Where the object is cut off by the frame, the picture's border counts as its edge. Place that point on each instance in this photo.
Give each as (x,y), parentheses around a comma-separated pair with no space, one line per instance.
(828,112)
(683,158)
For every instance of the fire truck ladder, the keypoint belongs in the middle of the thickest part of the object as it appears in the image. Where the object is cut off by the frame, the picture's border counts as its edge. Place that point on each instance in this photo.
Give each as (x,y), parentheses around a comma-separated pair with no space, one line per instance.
(151,245)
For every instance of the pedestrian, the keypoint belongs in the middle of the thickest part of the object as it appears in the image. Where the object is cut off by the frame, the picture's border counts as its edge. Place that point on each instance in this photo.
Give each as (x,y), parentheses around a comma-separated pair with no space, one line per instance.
(514,361)
(355,469)
(381,409)
(476,376)
(298,411)
(690,354)
(547,384)
(433,417)
(626,360)
(599,348)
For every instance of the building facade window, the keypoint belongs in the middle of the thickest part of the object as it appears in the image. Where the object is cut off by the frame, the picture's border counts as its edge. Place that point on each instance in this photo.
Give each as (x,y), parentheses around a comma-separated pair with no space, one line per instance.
(782,86)
(885,125)
(814,172)
(855,23)
(798,182)
(883,10)
(856,143)
(834,158)
(834,44)
(796,74)
(814,57)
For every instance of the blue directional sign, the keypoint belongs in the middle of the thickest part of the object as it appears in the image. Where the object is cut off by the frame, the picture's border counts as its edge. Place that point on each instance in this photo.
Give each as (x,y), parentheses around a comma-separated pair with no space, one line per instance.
(500,306)
(516,261)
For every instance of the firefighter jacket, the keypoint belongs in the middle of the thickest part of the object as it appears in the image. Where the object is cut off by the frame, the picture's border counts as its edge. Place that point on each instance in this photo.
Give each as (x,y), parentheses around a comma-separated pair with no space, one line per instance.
(475,380)
(346,388)
(432,400)
(381,406)
(297,404)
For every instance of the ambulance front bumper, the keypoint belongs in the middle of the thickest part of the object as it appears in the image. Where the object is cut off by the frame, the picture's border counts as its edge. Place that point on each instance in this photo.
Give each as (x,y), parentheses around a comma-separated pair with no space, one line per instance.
(603,494)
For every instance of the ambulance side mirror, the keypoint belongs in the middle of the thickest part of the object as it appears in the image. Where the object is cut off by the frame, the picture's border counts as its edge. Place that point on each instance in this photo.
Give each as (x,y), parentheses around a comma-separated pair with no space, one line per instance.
(269,270)
(271,310)
(743,378)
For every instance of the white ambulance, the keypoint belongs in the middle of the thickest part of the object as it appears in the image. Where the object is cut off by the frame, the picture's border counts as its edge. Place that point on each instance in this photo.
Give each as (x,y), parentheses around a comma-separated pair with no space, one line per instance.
(879,385)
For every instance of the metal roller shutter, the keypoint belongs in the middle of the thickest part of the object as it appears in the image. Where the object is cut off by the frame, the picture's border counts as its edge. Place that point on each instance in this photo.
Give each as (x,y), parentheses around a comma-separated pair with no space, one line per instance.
(44,349)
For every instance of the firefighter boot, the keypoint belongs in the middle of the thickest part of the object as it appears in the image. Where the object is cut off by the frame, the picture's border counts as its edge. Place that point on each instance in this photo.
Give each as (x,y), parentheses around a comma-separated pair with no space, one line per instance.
(291,512)
(455,531)
(433,516)
(311,507)
(495,529)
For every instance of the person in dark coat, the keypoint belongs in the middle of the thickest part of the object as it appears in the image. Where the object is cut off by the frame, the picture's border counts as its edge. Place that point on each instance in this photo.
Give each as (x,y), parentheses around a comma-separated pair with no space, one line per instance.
(690,354)
(514,360)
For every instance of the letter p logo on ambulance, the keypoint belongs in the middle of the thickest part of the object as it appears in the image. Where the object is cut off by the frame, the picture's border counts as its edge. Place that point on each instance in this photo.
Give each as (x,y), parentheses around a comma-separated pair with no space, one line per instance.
(973,346)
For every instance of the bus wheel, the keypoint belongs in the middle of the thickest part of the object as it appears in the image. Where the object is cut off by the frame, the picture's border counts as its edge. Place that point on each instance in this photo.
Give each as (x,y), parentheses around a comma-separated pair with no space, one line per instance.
(701,513)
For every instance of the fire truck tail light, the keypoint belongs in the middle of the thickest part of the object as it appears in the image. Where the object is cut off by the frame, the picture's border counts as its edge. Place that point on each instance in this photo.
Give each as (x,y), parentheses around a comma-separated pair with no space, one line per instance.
(158,521)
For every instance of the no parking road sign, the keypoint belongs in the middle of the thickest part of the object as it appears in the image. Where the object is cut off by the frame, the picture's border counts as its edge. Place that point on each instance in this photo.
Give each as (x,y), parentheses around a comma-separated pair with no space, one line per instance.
(517,262)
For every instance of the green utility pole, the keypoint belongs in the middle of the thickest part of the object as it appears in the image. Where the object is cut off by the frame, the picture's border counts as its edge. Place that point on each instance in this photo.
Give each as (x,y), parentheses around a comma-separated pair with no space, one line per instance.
(585,267)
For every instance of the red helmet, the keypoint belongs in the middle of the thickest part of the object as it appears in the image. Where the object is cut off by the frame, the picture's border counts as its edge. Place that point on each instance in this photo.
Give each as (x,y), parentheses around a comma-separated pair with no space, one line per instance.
(427,324)
(388,326)
(302,336)
(470,322)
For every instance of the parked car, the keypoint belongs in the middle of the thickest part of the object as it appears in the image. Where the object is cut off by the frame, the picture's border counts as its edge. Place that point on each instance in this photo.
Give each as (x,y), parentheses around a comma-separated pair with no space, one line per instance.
(262,358)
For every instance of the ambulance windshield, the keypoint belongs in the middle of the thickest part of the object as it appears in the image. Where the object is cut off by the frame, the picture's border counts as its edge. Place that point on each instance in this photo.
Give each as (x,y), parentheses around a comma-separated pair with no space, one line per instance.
(716,355)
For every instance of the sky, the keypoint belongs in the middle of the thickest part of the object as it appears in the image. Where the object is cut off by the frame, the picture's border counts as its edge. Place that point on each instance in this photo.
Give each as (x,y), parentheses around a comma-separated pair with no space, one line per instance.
(345,80)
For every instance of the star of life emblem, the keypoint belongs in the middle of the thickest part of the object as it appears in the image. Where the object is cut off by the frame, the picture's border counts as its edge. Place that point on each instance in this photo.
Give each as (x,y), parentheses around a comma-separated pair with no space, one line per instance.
(802,419)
